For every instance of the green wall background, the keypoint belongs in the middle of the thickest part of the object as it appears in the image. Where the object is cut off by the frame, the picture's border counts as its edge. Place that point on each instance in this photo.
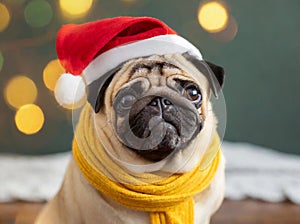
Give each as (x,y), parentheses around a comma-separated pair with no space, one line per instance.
(262,69)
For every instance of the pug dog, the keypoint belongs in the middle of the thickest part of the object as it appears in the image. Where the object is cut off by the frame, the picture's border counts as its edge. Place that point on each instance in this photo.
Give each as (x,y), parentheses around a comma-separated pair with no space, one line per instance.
(171,92)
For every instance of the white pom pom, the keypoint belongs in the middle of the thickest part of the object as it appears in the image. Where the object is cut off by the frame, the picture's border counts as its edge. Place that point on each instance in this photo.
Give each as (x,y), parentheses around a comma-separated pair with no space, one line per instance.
(69,89)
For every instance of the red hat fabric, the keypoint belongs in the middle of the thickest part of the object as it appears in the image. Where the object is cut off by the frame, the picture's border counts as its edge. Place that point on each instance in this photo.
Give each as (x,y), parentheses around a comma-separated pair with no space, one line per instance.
(78,45)
(88,51)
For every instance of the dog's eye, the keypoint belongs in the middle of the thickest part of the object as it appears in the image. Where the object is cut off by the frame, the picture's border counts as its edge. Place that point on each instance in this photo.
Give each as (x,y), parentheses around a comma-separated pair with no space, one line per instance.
(193,94)
(127,101)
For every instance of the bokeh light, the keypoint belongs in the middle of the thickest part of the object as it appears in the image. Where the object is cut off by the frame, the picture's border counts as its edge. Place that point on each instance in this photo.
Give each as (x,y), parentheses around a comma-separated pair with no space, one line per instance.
(19,91)
(4,17)
(213,16)
(1,61)
(75,8)
(38,13)
(29,119)
(229,33)
(51,73)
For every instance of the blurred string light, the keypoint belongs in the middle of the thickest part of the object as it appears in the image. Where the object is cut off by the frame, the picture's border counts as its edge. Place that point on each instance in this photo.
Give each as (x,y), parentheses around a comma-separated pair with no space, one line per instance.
(19,91)
(29,119)
(213,16)
(38,13)
(51,73)
(75,8)
(4,17)
(229,33)
(1,61)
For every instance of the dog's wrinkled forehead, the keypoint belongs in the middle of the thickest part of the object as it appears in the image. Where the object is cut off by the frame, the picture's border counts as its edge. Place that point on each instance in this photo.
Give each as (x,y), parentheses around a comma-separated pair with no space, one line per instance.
(154,67)
(157,69)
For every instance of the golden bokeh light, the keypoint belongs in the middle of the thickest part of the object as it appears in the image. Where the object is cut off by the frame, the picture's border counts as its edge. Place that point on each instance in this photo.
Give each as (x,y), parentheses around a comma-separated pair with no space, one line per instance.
(51,73)
(75,8)
(29,119)
(227,34)
(19,91)
(4,17)
(213,16)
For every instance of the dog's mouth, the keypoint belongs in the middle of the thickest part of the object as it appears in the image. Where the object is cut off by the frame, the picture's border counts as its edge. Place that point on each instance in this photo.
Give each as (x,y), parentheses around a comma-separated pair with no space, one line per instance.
(170,141)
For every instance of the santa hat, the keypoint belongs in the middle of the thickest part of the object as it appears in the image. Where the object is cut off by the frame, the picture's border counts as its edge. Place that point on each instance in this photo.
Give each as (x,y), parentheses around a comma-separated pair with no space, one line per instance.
(90,50)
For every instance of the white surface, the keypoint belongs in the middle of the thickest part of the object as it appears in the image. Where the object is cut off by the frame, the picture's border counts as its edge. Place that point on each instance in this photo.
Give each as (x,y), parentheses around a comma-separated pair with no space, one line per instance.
(32,178)
(261,173)
(251,171)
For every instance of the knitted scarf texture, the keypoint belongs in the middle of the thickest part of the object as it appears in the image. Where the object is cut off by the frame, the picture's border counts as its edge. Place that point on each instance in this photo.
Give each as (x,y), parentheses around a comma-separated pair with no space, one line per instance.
(169,200)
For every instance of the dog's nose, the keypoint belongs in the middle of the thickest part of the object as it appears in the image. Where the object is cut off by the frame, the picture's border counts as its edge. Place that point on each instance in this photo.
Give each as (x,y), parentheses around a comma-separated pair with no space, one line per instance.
(161,102)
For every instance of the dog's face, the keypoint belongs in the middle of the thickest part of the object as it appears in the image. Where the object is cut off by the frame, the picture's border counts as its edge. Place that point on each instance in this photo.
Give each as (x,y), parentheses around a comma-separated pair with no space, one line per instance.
(159,97)
(158,107)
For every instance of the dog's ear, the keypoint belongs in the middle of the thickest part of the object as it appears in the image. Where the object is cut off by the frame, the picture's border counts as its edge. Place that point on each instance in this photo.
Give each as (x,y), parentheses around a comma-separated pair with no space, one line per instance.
(214,73)
(96,90)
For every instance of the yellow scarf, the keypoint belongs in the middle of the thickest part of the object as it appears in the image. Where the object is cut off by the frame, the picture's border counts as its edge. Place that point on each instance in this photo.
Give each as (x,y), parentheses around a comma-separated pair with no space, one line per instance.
(169,201)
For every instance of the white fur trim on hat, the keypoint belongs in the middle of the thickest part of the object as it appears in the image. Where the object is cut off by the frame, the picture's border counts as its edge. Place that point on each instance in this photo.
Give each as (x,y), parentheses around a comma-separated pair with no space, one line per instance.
(163,44)
(69,89)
